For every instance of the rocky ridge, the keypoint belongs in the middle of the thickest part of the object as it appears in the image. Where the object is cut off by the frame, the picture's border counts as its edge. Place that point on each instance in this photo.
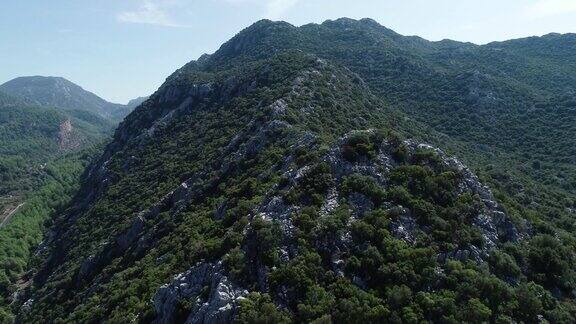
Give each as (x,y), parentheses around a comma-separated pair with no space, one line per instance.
(314,167)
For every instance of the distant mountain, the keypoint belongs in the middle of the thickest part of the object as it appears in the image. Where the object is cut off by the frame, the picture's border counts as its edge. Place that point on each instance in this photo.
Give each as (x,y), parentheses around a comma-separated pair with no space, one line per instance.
(43,149)
(34,130)
(136,102)
(61,93)
(42,118)
(31,135)
(286,178)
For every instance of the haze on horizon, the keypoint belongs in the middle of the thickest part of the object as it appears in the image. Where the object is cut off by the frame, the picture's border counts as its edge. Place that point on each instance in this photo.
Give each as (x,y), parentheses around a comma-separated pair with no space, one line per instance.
(122,50)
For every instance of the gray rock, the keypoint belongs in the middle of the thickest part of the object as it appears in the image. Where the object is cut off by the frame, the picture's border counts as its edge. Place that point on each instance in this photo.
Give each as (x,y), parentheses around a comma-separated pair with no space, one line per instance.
(361,203)
(27,306)
(213,298)
(126,239)
(404,227)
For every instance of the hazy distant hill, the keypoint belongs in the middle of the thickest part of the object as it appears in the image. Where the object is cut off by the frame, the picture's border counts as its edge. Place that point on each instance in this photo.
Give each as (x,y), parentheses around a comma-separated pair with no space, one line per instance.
(136,102)
(61,93)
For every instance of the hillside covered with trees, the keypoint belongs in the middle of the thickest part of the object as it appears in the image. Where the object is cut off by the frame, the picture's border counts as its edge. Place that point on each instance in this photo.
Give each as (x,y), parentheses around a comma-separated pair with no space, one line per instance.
(336,172)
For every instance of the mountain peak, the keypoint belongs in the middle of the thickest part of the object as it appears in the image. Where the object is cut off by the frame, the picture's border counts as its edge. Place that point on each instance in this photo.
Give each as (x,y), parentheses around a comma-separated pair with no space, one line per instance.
(29,82)
(270,23)
(61,93)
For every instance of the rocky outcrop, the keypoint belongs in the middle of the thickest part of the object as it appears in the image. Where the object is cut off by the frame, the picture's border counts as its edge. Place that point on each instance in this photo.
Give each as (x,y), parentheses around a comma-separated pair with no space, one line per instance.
(211,296)
(67,138)
(490,218)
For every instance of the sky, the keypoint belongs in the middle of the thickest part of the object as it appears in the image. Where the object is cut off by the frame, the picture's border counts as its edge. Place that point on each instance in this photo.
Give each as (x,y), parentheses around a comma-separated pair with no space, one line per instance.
(122,49)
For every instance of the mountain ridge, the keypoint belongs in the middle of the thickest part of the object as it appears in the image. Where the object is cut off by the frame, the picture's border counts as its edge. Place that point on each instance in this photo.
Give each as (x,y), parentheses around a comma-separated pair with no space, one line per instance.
(284,179)
(62,93)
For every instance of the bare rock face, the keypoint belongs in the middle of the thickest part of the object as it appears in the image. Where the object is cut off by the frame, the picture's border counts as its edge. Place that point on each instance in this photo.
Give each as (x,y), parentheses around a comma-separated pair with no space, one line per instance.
(211,296)
(67,139)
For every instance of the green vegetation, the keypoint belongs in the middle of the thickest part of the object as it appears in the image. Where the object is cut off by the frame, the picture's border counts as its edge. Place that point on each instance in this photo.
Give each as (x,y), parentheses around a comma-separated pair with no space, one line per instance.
(40,174)
(405,283)
(507,106)
(20,236)
(254,130)
(26,134)
(29,137)
(58,92)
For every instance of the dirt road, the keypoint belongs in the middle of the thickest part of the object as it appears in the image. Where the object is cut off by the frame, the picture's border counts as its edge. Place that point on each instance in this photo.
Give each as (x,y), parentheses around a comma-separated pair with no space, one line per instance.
(9,215)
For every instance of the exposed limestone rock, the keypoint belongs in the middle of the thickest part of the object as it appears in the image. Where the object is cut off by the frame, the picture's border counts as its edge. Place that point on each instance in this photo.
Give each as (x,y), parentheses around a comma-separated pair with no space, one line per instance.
(68,139)
(405,226)
(331,202)
(491,220)
(25,308)
(212,297)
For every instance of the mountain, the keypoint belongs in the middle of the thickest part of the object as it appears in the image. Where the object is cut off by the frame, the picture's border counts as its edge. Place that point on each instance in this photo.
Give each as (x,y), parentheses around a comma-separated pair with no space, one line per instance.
(33,130)
(45,117)
(463,90)
(29,136)
(61,93)
(286,178)
(136,102)
(43,151)
(510,105)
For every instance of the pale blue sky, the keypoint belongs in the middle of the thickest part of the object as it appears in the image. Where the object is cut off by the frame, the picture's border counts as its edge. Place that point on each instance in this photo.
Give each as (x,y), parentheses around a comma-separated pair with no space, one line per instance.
(121,49)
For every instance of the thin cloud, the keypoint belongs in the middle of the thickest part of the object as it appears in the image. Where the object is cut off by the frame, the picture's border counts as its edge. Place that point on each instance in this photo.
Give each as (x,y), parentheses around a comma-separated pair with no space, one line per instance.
(273,9)
(277,8)
(149,13)
(546,8)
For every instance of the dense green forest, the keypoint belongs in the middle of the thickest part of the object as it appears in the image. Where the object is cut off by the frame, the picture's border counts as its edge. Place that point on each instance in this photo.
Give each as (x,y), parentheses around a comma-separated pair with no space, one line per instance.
(21,236)
(28,136)
(31,135)
(40,166)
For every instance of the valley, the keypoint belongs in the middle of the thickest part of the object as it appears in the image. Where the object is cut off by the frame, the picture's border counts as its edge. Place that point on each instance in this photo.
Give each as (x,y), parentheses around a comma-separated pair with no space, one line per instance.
(45,146)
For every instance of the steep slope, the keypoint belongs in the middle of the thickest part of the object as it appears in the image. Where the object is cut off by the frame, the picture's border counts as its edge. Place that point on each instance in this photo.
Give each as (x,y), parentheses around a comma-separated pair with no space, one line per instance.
(30,214)
(61,93)
(41,118)
(379,53)
(493,97)
(510,105)
(7,100)
(31,135)
(42,154)
(132,104)
(261,192)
